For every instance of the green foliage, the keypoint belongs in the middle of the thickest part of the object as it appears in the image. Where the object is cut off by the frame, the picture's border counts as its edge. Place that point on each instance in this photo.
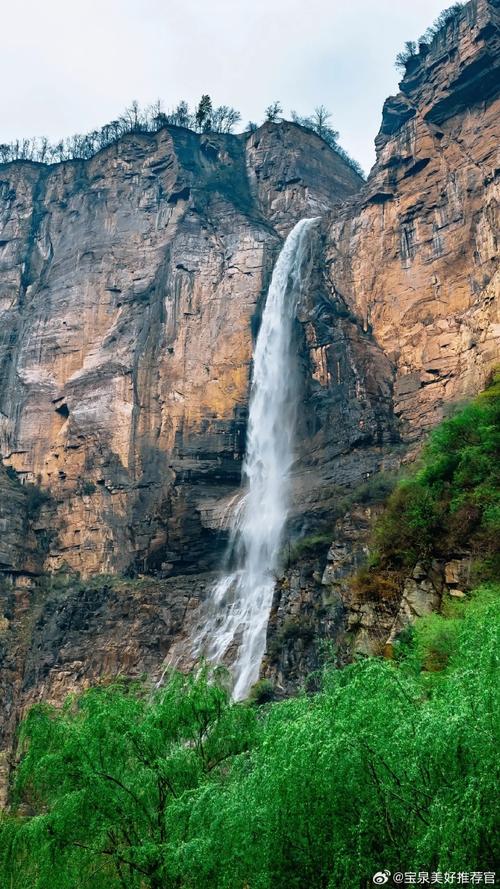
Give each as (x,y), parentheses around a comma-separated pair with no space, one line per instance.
(312,545)
(103,777)
(390,762)
(375,489)
(261,692)
(380,766)
(453,500)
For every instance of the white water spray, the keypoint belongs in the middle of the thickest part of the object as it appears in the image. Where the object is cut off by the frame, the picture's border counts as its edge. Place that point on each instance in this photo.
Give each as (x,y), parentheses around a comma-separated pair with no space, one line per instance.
(241,601)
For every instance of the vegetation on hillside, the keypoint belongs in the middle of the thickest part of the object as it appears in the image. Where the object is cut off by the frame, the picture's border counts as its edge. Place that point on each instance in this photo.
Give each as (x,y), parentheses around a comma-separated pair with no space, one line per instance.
(451,504)
(391,765)
(319,122)
(204,118)
(441,23)
(448,507)
(375,490)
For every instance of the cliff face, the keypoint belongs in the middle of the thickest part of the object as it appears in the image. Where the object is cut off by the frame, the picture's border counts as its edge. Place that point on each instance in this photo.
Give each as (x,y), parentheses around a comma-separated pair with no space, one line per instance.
(414,257)
(131,287)
(417,259)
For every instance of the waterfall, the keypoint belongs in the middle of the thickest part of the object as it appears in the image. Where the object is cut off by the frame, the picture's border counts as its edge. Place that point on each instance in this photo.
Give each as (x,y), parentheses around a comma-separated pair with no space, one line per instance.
(239,605)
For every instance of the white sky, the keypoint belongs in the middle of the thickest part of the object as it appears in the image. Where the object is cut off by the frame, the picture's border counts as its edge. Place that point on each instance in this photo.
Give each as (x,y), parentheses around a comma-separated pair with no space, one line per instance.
(68,66)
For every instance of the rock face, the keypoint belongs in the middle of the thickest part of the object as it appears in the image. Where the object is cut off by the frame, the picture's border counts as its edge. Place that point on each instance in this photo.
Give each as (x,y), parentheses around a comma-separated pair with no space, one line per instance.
(417,257)
(128,288)
(131,287)
(19,549)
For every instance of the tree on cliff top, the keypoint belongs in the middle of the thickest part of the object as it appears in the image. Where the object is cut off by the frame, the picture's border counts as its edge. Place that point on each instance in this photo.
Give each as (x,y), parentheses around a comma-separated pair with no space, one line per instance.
(319,122)
(203,114)
(273,111)
(440,24)
(206,118)
(136,120)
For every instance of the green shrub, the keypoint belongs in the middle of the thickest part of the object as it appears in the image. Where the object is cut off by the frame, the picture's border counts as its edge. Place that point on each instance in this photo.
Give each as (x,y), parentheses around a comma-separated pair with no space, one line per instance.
(298,627)
(453,500)
(262,692)
(310,546)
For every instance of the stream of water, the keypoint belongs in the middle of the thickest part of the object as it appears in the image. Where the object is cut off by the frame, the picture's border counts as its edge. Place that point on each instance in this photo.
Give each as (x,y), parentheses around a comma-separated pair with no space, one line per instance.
(240,603)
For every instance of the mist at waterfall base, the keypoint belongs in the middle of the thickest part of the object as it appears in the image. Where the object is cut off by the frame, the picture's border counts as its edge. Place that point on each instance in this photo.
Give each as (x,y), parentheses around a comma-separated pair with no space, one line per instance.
(240,603)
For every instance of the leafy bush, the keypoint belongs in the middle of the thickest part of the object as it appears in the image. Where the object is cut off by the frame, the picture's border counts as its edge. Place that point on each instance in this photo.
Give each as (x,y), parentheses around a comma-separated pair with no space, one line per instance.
(453,500)
(312,545)
(262,692)
(389,762)
(102,777)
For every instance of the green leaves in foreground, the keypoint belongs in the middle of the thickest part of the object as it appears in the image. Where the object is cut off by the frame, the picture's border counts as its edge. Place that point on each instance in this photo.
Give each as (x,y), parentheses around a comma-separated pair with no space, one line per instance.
(393,764)
(101,779)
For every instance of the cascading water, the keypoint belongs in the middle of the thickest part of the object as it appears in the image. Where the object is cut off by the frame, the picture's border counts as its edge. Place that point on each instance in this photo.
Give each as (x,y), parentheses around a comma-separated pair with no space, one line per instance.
(241,601)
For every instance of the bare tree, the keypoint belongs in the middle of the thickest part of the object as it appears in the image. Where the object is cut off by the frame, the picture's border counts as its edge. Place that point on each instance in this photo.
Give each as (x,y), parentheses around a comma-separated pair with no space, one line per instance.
(224,119)
(321,117)
(133,120)
(319,123)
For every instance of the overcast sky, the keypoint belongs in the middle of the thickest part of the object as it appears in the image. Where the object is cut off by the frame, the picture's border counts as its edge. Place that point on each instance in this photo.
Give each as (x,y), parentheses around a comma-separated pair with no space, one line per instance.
(69,66)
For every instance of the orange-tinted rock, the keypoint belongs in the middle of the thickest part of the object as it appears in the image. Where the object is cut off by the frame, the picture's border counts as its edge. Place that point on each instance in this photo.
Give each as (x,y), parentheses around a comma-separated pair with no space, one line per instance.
(417,256)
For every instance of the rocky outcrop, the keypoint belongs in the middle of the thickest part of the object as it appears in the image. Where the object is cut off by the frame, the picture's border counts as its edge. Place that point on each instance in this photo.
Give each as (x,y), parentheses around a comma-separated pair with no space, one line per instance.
(23,536)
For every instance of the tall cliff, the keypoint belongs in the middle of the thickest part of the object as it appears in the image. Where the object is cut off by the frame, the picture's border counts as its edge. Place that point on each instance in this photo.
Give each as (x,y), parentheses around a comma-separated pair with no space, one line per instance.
(417,257)
(131,287)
